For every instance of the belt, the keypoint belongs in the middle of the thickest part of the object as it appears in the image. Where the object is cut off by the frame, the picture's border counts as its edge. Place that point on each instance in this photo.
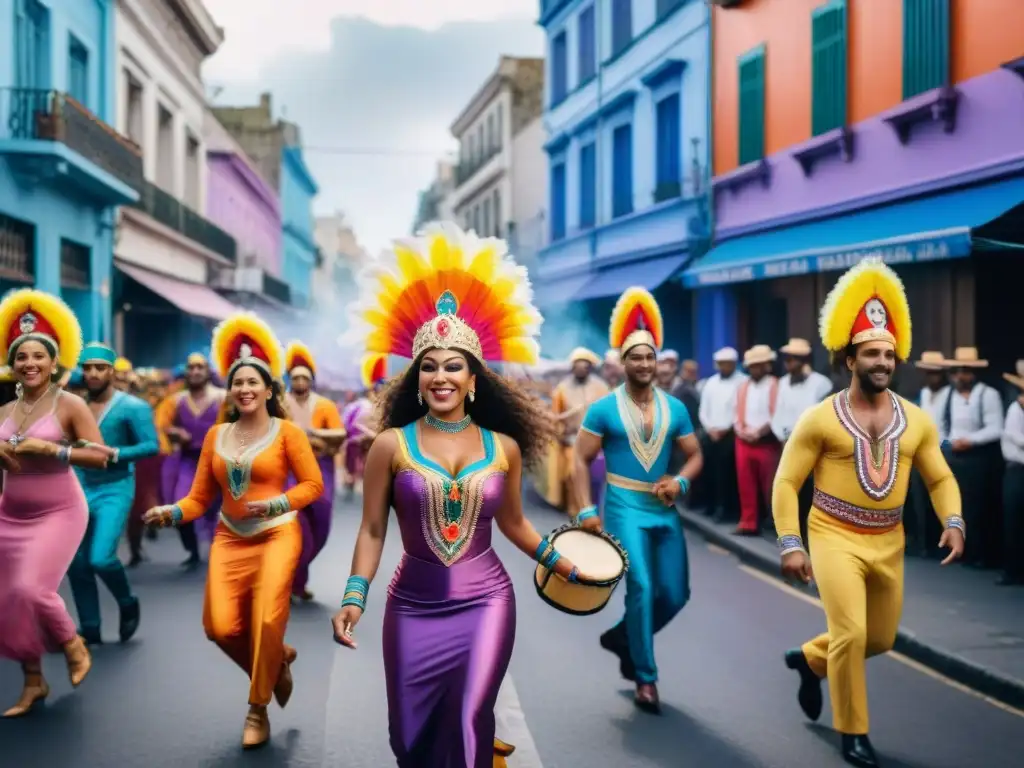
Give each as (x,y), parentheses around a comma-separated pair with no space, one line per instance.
(255,526)
(629,484)
(860,517)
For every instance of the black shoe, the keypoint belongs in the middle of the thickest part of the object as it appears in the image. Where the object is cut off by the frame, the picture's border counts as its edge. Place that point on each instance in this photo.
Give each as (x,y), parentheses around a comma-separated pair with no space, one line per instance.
(191,562)
(615,641)
(646,698)
(809,695)
(857,750)
(91,635)
(151,533)
(129,620)
(136,560)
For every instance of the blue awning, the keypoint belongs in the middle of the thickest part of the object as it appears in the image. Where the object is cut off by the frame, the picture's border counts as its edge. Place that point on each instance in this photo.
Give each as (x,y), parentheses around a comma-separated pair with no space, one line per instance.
(560,290)
(647,274)
(938,227)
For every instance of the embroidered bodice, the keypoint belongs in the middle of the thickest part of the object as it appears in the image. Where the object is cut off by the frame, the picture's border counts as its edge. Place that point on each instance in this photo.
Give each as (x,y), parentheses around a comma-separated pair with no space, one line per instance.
(443,517)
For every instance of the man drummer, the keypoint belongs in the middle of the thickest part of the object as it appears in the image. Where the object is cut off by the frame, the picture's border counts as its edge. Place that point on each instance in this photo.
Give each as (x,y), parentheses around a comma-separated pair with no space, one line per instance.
(637,426)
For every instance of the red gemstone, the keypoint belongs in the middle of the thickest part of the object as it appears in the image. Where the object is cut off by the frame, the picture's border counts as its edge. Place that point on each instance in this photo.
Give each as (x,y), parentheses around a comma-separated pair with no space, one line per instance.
(451,532)
(443,328)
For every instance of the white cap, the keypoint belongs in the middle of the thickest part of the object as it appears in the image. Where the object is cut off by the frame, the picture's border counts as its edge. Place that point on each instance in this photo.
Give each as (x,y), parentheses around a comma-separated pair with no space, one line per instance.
(669,354)
(726,355)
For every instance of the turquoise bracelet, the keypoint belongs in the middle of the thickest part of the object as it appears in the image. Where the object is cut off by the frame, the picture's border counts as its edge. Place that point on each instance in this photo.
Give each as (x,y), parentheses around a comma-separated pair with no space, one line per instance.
(176,515)
(356,591)
(586,513)
(684,484)
(278,506)
(546,554)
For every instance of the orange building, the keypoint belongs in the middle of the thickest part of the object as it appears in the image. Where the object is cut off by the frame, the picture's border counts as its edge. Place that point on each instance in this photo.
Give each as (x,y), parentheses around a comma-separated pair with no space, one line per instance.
(848,128)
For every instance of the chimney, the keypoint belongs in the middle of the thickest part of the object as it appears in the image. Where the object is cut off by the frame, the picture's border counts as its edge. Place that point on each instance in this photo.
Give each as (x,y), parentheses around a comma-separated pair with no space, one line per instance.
(265,103)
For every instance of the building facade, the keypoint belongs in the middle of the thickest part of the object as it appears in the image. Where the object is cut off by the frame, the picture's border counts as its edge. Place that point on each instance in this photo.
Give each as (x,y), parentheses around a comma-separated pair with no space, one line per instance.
(63,166)
(844,130)
(500,187)
(627,122)
(166,249)
(334,291)
(435,201)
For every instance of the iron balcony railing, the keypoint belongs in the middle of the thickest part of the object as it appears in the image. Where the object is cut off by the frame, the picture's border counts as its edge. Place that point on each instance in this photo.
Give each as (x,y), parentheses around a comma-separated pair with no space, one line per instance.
(465,170)
(171,212)
(33,114)
(276,289)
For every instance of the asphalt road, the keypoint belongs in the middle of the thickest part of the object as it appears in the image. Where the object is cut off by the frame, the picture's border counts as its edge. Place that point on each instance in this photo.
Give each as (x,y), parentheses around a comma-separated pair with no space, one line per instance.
(170,699)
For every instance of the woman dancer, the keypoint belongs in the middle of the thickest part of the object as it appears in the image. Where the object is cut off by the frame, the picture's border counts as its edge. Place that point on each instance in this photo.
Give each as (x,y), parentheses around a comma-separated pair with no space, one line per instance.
(449,457)
(43,514)
(258,540)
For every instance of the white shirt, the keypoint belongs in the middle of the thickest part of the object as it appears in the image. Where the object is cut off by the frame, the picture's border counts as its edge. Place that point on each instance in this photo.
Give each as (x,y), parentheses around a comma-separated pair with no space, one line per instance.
(794,399)
(759,403)
(718,401)
(1013,433)
(964,412)
(934,404)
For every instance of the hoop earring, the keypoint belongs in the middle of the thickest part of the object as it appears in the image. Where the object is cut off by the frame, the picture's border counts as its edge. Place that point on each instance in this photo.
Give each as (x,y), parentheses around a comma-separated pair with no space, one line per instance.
(472,395)
(419,397)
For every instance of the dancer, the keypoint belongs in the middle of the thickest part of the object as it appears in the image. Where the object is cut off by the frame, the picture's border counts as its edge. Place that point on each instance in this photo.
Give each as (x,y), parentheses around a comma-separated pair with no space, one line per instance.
(450,455)
(638,427)
(258,541)
(570,401)
(321,421)
(860,445)
(43,514)
(126,425)
(356,419)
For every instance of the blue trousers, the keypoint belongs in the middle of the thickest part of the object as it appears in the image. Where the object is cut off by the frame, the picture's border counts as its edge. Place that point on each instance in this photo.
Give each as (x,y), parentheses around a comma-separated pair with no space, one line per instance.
(109,505)
(658,580)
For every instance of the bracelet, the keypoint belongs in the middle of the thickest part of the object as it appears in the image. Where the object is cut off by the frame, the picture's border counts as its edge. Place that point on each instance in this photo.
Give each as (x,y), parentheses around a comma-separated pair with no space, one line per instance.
(64,454)
(546,554)
(115,455)
(574,575)
(356,590)
(585,514)
(277,506)
(684,484)
(955,521)
(788,544)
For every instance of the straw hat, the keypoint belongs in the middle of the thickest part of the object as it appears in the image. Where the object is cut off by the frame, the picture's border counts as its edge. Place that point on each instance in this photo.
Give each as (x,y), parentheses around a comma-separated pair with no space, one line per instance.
(797,348)
(931,361)
(965,357)
(1016,379)
(584,355)
(759,353)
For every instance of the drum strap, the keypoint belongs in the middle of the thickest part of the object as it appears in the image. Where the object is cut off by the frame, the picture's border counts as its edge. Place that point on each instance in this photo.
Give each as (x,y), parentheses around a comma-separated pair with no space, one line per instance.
(619,481)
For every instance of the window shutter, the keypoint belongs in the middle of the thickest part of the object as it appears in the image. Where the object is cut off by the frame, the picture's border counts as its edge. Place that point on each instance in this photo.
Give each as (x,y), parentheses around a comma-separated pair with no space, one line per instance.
(751,106)
(925,45)
(828,67)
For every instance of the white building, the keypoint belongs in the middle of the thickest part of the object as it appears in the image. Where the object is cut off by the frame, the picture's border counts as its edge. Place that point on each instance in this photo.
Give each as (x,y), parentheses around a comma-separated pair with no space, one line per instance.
(501,186)
(164,246)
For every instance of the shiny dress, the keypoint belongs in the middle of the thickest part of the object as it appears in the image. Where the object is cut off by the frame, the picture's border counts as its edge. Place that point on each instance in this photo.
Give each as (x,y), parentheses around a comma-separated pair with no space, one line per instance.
(43,518)
(449,623)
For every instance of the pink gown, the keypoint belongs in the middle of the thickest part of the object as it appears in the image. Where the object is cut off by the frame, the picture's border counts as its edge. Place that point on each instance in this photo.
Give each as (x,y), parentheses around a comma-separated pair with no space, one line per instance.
(43,518)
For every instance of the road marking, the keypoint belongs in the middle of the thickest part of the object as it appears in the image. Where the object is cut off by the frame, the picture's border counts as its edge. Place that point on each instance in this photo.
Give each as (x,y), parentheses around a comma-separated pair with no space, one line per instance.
(717,550)
(906,661)
(512,727)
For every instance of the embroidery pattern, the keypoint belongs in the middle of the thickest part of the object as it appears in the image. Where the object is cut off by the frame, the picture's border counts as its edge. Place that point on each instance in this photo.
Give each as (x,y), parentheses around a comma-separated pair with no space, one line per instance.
(861,517)
(645,451)
(876,461)
(239,470)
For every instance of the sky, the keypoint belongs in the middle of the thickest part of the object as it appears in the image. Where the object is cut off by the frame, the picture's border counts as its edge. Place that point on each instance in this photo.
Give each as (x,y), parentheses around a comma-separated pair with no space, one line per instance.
(373,84)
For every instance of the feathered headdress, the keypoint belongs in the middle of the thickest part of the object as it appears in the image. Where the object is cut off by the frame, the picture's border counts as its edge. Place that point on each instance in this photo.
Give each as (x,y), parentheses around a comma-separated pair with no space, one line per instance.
(374,369)
(299,360)
(27,314)
(636,319)
(447,289)
(868,303)
(244,339)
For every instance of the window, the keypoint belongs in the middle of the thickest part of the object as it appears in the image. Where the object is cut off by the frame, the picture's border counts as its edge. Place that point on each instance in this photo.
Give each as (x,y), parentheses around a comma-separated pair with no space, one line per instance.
(622,25)
(828,67)
(78,71)
(490,133)
(588,186)
(559,69)
(668,159)
(587,45)
(498,223)
(622,170)
(925,45)
(557,201)
(486,231)
(501,125)
(665,7)
(751,111)
(480,146)
(31,45)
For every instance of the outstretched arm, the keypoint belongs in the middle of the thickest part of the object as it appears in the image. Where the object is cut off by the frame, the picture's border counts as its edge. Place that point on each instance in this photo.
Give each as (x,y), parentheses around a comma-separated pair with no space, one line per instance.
(204,484)
(143,434)
(377,479)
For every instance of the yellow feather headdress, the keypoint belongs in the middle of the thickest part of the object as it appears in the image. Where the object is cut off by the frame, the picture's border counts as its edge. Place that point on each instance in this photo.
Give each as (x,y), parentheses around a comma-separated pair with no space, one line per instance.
(27,314)
(868,303)
(374,369)
(299,360)
(244,339)
(636,319)
(447,289)
(123,365)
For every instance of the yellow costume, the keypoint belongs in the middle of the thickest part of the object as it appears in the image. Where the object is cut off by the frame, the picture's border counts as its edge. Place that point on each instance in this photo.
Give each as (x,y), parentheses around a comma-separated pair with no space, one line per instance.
(855,527)
(572,398)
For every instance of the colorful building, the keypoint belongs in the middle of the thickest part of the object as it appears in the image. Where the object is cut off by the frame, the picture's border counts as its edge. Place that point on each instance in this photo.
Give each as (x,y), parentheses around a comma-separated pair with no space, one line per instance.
(627,91)
(842,130)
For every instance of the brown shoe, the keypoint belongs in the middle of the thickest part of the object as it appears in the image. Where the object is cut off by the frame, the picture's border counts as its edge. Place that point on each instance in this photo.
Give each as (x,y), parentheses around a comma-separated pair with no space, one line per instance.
(257,728)
(33,693)
(647,699)
(79,661)
(285,683)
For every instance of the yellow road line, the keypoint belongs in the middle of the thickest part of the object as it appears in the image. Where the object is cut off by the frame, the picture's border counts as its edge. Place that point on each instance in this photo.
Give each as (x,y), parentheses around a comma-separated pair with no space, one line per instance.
(906,661)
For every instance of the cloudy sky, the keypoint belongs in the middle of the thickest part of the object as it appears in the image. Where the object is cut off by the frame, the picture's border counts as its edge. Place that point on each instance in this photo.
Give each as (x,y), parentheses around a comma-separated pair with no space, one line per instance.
(374,85)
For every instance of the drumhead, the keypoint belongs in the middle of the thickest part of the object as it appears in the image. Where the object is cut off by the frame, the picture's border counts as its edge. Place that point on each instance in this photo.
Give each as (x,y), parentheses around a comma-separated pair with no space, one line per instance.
(593,555)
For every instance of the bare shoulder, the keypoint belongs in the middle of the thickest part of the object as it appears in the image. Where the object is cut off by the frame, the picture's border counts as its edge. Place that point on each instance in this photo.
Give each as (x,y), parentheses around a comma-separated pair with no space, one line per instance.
(509,446)
(71,403)
(385,442)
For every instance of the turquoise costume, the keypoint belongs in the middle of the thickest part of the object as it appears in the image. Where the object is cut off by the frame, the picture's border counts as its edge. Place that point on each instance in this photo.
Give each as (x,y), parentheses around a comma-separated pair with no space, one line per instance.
(658,580)
(127,426)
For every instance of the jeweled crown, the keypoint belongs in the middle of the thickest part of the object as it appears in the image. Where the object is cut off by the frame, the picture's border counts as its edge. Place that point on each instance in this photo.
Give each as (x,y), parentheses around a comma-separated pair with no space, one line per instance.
(447,331)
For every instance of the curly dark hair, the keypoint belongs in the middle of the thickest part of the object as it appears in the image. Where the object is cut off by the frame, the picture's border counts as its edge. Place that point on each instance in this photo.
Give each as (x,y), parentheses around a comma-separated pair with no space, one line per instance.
(275,405)
(501,405)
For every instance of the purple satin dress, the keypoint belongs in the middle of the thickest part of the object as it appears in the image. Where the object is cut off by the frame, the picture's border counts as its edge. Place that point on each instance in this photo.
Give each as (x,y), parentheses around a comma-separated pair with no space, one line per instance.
(181,471)
(450,619)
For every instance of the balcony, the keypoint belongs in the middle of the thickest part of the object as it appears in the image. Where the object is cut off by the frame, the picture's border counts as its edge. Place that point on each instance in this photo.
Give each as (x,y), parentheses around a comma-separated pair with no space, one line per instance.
(276,289)
(172,213)
(253,280)
(48,135)
(465,170)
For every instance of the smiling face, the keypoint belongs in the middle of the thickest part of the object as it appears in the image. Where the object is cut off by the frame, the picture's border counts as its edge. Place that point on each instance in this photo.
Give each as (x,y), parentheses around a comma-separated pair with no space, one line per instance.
(33,365)
(249,392)
(640,364)
(301,384)
(876,313)
(873,365)
(445,380)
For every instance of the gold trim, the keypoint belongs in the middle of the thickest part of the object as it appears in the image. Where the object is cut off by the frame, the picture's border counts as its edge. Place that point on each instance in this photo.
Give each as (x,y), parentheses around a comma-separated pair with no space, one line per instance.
(256,526)
(645,451)
(620,481)
(873,334)
(639,338)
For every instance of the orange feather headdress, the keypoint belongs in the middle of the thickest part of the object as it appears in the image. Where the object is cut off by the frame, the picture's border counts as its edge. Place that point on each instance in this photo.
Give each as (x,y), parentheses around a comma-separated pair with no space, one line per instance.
(636,319)
(299,360)
(27,314)
(244,339)
(447,289)
(374,369)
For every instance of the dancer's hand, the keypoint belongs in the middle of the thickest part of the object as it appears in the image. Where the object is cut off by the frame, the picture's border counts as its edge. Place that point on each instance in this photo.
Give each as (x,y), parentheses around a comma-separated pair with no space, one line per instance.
(953,539)
(796,566)
(33,446)
(257,508)
(160,517)
(667,490)
(592,524)
(7,457)
(344,623)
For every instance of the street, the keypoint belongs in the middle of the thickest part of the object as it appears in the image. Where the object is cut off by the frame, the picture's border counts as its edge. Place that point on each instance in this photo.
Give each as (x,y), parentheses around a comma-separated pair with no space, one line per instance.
(170,698)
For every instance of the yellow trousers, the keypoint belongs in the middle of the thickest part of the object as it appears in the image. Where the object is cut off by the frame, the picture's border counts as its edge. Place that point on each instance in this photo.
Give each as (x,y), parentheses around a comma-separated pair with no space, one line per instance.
(248,601)
(860,579)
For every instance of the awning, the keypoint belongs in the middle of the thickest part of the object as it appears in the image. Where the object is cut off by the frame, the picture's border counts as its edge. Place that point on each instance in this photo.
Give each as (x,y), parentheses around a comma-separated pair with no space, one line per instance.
(647,274)
(938,227)
(559,290)
(190,298)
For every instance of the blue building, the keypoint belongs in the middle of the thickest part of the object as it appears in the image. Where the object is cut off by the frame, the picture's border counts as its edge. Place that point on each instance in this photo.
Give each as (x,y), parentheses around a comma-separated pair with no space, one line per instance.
(63,168)
(300,256)
(628,123)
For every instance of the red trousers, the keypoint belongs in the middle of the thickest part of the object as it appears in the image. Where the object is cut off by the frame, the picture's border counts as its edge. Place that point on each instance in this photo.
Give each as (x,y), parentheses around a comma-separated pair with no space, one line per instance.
(755,471)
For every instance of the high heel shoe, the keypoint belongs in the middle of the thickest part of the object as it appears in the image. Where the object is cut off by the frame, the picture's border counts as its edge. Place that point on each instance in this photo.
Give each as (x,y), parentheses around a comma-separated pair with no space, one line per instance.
(79,661)
(285,681)
(33,693)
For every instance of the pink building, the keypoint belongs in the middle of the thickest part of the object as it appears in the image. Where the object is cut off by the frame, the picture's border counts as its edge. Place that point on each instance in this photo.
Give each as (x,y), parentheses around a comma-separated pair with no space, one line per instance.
(243,204)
